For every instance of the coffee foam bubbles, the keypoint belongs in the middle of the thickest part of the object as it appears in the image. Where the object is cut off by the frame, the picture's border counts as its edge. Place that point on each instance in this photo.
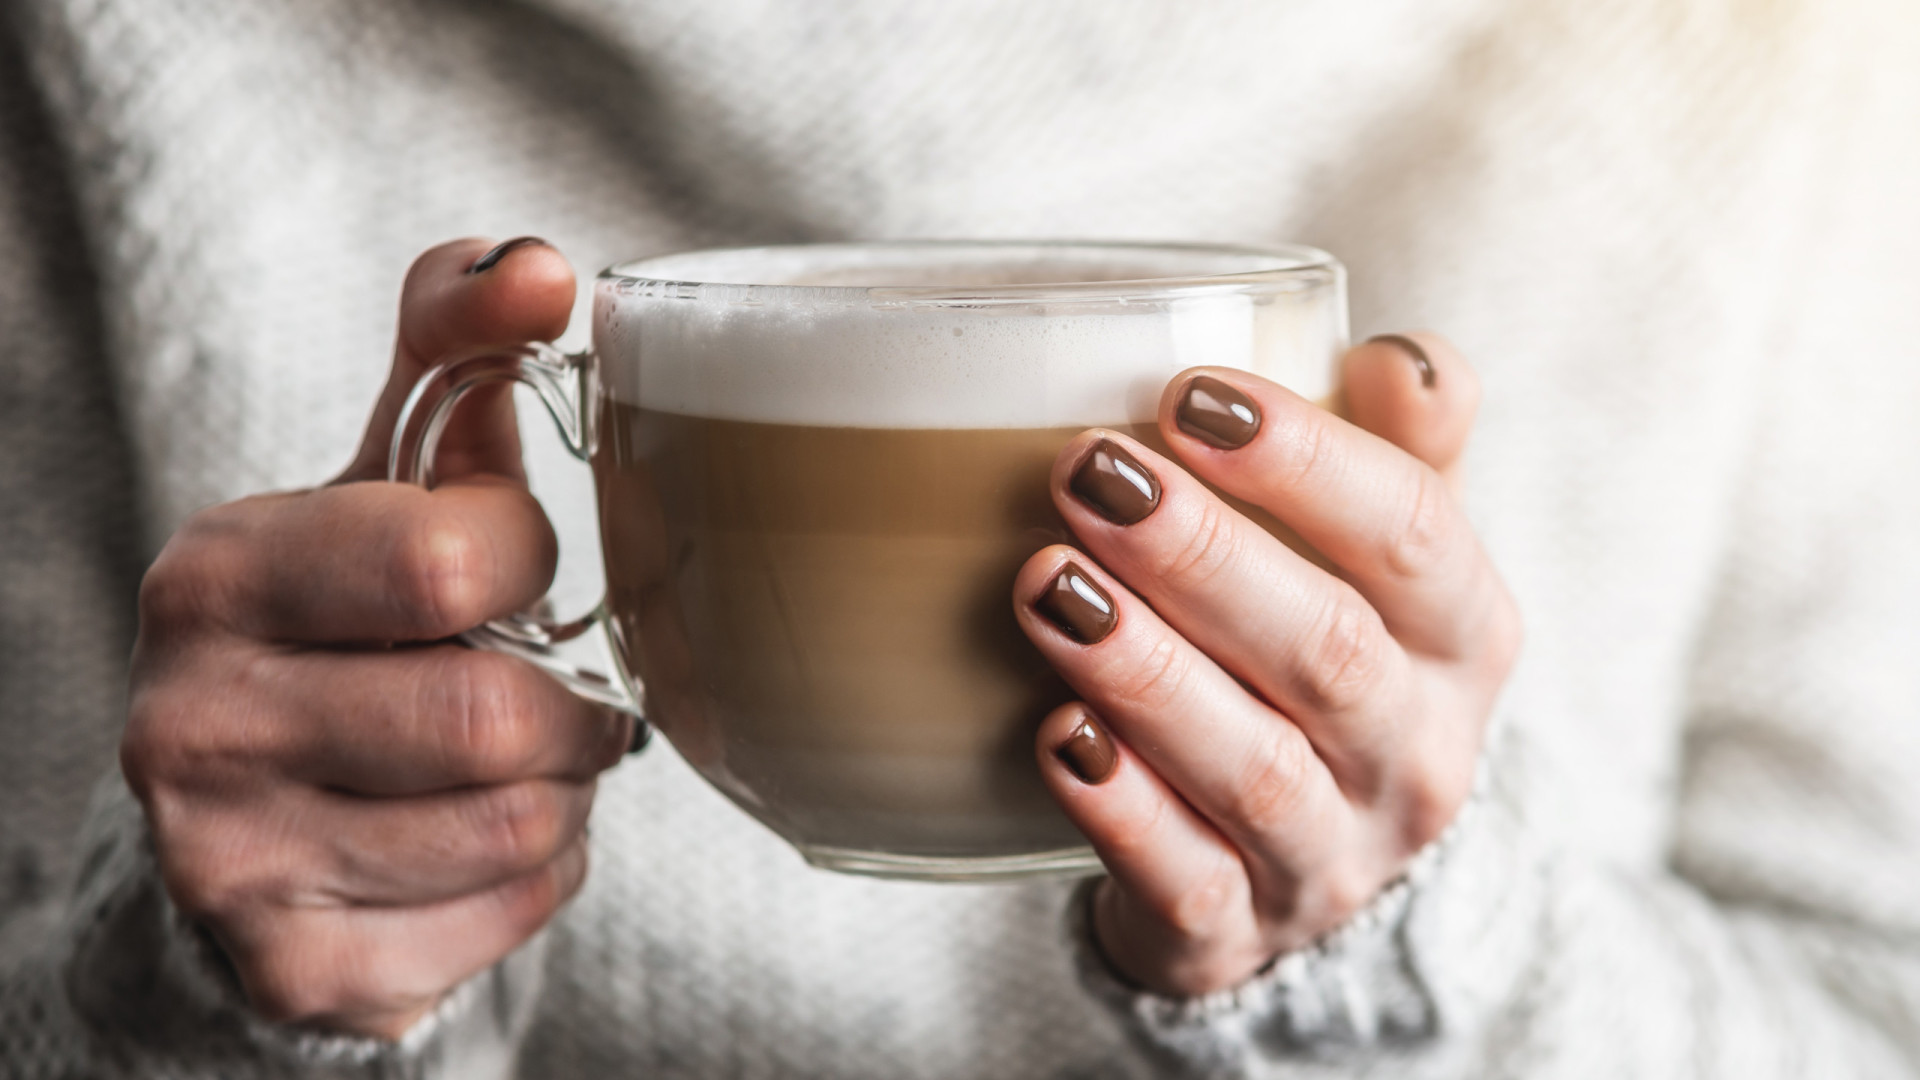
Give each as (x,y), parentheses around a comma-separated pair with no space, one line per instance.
(850,358)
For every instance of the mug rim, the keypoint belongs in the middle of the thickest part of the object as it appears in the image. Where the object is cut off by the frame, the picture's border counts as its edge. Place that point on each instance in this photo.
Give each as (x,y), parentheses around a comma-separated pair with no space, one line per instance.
(1288,266)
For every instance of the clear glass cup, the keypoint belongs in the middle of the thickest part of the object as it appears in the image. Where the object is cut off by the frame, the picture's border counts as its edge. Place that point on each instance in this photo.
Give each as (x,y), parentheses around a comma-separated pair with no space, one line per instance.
(818,469)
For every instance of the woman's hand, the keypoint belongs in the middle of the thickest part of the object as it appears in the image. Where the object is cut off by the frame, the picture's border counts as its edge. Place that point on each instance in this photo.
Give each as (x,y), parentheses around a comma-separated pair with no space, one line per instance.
(1264,741)
(362,814)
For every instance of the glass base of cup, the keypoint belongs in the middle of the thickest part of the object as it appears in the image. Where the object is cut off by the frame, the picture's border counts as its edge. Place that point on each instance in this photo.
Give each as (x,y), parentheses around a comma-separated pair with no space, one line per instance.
(1065,862)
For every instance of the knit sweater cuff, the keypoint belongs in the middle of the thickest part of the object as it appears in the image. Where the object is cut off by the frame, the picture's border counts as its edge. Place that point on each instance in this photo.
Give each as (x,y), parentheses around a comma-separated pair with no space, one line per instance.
(1392,979)
(151,982)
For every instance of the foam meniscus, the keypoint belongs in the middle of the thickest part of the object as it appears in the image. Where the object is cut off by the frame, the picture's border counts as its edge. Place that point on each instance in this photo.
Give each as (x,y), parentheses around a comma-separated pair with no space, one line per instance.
(959,336)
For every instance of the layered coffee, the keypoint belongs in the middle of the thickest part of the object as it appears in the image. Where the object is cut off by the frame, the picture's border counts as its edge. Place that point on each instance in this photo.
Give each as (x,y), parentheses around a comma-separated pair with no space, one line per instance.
(814,500)
(846,624)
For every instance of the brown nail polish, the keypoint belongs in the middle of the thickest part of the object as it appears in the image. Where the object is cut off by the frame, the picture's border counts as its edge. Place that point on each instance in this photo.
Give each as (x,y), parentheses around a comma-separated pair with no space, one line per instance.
(500,251)
(1217,414)
(1115,484)
(1078,606)
(1413,350)
(1087,751)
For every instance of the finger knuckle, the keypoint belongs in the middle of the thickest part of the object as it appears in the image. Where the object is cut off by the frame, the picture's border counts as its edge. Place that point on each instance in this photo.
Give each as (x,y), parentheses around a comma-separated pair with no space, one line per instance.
(149,744)
(1343,891)
(439,575)
(369,979)
(166,742)
(484,702)
(183,587)
(289,981)
(1211,545)
(527,903)
(197,724)
(520,824)
(1309,454)
(203,883)
(1139,838)
(1156,679)
(1424,538)
(1345,660)
(1271,793)
(1429,801)
(1199,911)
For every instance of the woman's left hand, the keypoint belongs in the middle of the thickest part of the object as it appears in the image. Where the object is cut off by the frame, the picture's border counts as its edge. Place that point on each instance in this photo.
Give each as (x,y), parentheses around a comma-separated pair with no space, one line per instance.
(1263,743)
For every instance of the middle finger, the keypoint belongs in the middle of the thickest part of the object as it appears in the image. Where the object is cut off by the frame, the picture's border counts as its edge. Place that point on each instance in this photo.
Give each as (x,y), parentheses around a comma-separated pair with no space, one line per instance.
(410,721)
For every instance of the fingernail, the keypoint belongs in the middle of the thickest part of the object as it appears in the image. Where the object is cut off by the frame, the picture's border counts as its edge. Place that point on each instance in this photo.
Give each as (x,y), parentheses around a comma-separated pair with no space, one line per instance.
(1087,751)
(1413,350)
(492,258)
(1217,414)
(1115,484)
(1078,606)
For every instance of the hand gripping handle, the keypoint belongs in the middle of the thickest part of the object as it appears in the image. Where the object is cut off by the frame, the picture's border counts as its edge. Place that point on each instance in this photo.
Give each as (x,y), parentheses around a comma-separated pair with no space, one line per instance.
(563,382)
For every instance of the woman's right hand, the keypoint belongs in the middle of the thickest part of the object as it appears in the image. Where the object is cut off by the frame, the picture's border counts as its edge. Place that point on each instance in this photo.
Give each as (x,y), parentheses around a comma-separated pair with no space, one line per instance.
(362,813)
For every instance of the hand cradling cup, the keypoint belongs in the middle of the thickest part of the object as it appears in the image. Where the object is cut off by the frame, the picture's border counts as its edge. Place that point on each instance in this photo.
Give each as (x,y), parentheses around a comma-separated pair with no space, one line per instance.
(818,469)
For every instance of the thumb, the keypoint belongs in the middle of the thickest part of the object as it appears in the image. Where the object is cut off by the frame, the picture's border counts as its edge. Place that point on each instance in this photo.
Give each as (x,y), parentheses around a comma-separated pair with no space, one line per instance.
(466,298)
(1416,392)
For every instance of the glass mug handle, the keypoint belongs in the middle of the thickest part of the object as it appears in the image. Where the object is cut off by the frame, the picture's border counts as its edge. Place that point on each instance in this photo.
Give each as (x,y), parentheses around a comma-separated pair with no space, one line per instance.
(561,381)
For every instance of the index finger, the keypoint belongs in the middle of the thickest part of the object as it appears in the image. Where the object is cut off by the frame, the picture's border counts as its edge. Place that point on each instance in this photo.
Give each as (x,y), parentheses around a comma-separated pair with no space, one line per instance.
(1385,520)
(355,563)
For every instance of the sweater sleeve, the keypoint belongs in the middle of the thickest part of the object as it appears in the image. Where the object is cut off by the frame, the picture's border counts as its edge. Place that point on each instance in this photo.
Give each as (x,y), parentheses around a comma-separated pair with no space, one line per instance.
(1780,936)
(99,975)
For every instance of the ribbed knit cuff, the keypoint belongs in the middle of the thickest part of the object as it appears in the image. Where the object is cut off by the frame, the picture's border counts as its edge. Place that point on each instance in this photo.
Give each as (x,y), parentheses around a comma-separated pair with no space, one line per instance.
(1417,963)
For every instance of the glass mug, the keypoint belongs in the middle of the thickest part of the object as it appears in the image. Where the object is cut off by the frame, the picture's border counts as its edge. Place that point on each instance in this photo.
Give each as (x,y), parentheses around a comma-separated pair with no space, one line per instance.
(818,468)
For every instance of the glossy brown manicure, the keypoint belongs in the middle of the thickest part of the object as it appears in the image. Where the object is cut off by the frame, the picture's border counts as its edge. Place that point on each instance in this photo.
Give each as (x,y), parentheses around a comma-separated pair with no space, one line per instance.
(1414,352)
(500,251)
(1078,606)
(1115,484)
(1217,414)
(1087,751)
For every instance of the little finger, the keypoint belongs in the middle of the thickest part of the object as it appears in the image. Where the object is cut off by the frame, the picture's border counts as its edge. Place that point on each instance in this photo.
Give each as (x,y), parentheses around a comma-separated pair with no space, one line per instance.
(377,971)
(1189,912)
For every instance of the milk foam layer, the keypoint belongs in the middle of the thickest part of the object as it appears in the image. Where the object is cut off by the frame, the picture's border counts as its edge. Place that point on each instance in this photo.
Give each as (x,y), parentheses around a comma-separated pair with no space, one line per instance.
(1004,358)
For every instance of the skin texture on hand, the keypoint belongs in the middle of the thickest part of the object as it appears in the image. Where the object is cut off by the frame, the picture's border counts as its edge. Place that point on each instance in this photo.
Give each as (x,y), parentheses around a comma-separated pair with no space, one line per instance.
(1266,739)
(362,813)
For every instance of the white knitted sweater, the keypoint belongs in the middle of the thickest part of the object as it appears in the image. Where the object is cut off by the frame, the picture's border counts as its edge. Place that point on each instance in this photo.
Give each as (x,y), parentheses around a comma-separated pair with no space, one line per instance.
(1678,239)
